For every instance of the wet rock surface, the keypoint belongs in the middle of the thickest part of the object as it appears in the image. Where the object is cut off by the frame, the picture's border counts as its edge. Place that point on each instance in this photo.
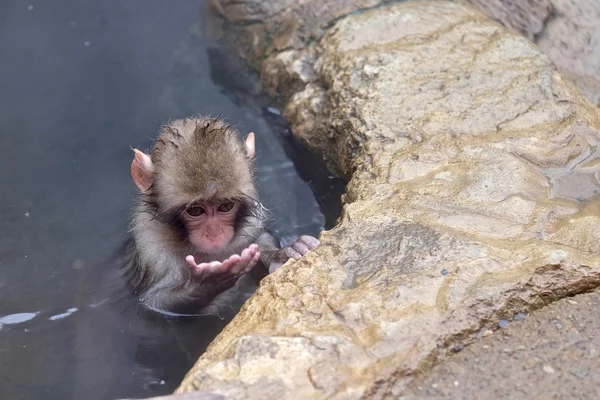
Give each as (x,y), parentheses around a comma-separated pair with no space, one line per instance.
(458,139)
(568,31)
(551,354)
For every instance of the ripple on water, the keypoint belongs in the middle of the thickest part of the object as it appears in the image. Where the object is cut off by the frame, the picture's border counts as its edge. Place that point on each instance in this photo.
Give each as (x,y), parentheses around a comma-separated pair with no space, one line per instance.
(12,319)
(63,315)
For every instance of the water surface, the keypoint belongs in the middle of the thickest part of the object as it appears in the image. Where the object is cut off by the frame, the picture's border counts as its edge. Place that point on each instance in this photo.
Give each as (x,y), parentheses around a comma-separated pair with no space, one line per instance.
(82,81)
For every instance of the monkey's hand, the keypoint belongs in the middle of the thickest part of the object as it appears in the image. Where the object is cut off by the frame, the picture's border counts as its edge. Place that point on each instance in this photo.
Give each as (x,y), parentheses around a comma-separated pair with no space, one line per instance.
(295,251)
(225,272)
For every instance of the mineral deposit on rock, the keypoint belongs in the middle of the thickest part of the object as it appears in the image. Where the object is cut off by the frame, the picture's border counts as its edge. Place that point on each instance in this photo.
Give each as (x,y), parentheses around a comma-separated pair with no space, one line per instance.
(465,151)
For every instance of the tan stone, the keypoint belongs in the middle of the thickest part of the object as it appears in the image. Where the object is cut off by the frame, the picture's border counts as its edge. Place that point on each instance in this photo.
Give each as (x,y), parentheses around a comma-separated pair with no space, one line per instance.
(568,31)
(454,135)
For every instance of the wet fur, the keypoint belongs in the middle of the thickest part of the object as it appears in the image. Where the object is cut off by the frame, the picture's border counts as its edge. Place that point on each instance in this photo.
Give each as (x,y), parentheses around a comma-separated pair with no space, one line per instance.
(196,158)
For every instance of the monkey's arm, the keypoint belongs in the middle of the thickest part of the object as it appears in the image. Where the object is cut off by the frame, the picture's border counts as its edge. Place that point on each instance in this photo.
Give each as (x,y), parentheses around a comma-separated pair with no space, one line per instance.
(186,287)
(187,298)
(273,257)
(268,247)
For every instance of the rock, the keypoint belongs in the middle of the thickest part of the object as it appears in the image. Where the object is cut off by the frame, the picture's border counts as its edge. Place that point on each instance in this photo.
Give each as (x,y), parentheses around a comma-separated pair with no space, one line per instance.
(450,131)
(275,26)
(568,31)
(519,316)
(485,370)
(458,347)
(557,324)
(580,372)
(548,369)
(190,396)
(502,323)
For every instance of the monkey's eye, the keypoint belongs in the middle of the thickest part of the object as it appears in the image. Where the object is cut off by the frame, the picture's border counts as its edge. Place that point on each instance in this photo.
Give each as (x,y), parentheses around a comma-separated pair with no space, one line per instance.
(195,211)
(226,206)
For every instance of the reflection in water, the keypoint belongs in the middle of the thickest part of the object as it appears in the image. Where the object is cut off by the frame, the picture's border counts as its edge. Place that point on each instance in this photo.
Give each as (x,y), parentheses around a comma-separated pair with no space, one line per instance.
(81,82)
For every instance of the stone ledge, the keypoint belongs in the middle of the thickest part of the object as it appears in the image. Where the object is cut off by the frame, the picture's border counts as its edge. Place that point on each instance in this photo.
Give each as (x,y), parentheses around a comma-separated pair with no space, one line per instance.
(472,195)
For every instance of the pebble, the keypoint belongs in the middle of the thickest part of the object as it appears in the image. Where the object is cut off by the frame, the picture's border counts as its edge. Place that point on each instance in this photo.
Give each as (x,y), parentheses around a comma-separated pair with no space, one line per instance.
(87,43)
(444,272)
(571,301)
(502,323)
(30,8)
(488,332)
(519,316)
(273,110)
(458,347)
(579,372)
(557,324)
(27,214)
(580,198)
(456,383)
(548,369)
(434,385)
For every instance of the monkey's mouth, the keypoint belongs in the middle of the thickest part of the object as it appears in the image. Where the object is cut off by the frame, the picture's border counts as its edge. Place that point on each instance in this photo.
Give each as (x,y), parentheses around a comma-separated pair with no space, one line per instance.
(209,245)
(213,248)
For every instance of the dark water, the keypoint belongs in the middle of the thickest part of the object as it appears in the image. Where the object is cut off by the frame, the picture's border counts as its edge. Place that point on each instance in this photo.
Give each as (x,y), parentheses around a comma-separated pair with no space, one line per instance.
(81,82)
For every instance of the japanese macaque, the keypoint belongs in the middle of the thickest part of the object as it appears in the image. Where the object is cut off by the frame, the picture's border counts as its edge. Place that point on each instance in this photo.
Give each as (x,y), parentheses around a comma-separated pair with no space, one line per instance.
(198,226)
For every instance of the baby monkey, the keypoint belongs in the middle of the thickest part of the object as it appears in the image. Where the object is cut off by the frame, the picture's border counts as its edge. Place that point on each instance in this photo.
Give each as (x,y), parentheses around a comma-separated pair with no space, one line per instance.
(198,226)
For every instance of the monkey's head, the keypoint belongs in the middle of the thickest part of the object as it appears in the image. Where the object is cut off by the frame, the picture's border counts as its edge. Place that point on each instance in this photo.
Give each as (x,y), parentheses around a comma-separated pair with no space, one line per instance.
(198,178)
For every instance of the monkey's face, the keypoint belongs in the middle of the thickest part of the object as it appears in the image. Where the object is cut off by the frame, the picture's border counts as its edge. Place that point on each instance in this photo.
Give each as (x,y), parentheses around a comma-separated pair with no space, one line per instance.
(210,225)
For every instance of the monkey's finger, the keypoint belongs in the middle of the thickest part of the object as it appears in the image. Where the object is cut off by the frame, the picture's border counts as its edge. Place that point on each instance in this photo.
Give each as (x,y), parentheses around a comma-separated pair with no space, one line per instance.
(249,267)
(200,270)
(251,250)
(247,254)
(229,264)
(310,241)
(246,257)
(289,252)
(234,259)
(211,268)
(253,261)
(191,261)
(300,248)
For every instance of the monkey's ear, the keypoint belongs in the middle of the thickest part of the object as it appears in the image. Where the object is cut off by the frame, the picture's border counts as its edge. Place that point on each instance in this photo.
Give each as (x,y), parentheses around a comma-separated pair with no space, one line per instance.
(141,170)
(250,145)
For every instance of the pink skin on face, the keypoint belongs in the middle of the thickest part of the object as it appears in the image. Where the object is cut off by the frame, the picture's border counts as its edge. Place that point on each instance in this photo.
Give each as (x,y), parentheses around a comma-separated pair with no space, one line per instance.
(210,229)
